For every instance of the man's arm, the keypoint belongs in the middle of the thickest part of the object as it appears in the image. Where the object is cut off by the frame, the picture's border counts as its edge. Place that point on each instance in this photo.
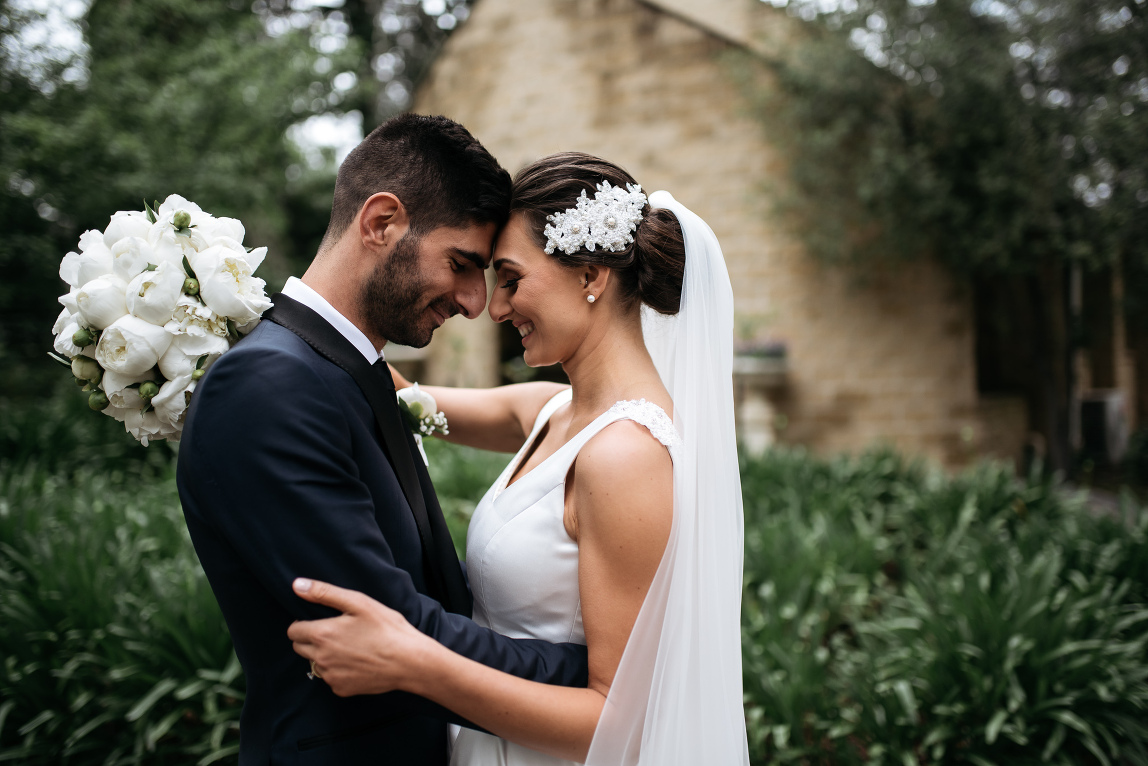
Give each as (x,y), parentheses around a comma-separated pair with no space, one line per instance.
(270,455)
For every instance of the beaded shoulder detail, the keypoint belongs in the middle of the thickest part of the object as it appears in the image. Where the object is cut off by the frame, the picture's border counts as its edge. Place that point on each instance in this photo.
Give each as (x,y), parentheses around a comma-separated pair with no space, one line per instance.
(652,417)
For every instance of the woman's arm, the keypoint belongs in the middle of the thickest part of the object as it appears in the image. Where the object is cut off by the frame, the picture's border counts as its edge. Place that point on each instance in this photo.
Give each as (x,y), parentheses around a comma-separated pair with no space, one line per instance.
(622,497)
(497,419)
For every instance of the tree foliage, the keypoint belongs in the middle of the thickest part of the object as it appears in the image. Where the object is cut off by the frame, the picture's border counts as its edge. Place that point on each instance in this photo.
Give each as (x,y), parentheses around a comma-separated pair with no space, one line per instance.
(163,96)
(998,135)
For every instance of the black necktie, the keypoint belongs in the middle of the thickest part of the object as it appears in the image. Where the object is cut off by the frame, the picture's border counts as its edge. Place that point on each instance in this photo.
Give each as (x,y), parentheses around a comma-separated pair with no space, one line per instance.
(384,371)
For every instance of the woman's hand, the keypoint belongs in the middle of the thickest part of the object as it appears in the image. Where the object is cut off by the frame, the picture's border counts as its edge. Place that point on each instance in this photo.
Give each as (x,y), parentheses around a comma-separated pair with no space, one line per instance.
(369,649)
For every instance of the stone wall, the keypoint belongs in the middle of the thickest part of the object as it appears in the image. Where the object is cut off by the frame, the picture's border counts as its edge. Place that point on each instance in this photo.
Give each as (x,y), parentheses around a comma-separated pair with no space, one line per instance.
(887,358)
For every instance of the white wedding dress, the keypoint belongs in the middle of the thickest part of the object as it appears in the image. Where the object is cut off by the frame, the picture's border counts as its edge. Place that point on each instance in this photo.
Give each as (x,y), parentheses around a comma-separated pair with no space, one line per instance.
(522,564)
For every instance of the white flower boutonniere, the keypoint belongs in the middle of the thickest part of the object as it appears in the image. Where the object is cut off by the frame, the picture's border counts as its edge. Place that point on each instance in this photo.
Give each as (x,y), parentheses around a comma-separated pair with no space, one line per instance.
(420,411)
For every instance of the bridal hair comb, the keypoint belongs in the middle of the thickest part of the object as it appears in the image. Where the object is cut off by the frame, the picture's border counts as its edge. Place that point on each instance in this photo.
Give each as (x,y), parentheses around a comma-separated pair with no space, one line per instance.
(607,221)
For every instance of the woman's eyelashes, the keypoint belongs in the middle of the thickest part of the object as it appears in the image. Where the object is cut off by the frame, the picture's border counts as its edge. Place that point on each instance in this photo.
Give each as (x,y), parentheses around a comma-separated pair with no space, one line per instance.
(510,283)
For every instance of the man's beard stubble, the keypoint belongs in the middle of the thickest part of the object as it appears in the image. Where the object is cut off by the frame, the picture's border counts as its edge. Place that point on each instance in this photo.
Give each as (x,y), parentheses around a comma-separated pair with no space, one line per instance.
(392,298)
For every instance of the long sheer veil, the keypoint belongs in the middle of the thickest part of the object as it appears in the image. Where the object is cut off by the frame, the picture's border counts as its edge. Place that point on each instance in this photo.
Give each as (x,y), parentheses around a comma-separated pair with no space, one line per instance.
(677,695)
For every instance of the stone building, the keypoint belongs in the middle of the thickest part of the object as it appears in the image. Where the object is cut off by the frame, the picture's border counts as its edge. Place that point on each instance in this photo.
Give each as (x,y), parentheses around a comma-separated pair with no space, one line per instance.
(890,359)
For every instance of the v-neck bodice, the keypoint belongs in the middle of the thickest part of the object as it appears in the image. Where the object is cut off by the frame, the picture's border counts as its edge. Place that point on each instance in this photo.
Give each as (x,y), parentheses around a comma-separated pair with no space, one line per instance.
(522,564)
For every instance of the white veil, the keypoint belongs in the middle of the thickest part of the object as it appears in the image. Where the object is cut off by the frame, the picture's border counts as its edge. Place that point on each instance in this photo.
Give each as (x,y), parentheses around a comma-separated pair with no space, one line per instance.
(677,695)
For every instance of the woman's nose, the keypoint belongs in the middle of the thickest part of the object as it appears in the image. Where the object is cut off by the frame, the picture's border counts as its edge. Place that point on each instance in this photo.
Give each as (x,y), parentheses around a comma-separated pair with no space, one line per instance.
(499,308)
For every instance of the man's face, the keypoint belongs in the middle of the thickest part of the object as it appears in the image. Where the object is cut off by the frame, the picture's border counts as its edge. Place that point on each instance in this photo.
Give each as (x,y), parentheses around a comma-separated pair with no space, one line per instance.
(426,280)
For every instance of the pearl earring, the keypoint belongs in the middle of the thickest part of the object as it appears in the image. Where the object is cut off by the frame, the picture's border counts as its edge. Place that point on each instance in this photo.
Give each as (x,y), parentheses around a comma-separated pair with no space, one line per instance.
(590,298)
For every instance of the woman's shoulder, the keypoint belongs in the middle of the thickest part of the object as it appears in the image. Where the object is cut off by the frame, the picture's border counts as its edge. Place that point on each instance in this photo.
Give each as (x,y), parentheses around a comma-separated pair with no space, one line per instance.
(623,484)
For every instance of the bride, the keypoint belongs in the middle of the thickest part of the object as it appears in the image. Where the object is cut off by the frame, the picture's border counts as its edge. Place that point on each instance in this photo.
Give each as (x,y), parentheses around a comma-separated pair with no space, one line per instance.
(613,525)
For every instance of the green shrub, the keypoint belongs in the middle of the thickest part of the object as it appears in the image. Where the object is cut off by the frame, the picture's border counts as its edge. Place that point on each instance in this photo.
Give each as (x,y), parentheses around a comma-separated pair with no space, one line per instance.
(113,647)
(892,615)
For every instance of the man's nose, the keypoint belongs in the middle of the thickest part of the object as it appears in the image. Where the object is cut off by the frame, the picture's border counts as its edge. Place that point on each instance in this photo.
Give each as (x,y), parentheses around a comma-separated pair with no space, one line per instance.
(471,296)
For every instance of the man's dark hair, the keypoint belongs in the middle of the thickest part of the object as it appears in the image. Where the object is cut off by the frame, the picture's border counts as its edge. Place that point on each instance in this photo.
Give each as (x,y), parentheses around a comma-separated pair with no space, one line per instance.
(440,172)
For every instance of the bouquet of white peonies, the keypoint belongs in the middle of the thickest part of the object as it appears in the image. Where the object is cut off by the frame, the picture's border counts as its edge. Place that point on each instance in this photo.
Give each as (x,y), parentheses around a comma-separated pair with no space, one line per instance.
(155,298)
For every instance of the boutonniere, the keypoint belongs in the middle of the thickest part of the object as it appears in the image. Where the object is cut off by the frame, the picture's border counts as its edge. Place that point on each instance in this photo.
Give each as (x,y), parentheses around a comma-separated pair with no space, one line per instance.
(420,411)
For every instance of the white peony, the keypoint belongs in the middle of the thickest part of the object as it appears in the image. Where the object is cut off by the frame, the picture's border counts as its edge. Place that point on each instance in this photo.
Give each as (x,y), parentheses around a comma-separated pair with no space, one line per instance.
(69,302)
(186,242)
(197,345)
(131,346)
(66,326)
(174,363)
(101,301)
(119,389)
(227,285)
(153,295)
(174,203)
(130,256)
(144,425)
(65,318)
(172,399)
(124,224)
(193,318)
(177,362)
(223,228)
(93,260)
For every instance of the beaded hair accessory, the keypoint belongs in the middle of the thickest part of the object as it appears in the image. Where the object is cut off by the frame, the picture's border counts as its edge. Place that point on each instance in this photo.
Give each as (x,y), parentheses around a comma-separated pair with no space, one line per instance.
(607,221)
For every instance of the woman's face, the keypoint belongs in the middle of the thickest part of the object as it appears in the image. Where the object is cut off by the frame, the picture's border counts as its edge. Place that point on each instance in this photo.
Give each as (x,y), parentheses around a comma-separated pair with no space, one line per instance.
(544,300)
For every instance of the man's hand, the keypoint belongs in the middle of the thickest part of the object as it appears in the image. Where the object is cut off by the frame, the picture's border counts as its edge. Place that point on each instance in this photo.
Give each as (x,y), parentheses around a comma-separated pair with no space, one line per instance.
(369,649)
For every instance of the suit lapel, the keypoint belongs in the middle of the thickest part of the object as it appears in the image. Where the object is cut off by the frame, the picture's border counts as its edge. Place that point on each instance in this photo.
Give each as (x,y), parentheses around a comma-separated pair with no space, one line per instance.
(443,573)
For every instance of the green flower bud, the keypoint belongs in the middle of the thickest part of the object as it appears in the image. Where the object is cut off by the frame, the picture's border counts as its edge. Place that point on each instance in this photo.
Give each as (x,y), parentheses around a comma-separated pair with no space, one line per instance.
(83,337)
(98,400)
(197,374)
(148,389)
(191,286)
(181,220)
(86,368)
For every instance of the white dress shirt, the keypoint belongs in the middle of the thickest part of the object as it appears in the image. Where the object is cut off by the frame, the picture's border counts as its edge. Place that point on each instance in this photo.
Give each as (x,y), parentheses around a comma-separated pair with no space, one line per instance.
(296,289)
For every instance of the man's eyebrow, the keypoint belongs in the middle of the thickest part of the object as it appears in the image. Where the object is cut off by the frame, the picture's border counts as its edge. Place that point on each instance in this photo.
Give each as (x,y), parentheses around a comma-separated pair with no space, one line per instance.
(498,264)
(471,256)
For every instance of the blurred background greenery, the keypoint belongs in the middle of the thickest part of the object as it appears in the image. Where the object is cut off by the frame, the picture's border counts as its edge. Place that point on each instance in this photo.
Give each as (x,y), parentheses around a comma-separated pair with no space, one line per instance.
(892,613)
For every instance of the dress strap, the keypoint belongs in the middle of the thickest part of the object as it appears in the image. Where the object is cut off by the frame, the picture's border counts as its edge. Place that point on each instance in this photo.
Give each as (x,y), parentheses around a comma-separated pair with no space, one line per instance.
(653,417)
(548,410)
(643,412)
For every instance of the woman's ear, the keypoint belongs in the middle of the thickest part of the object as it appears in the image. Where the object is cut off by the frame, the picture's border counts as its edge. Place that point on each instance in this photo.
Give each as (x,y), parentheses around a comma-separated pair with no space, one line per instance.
(595,279)
(382,221)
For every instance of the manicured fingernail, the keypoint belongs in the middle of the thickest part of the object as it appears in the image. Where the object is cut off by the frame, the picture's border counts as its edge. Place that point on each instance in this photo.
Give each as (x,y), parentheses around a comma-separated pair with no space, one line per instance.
(302,584)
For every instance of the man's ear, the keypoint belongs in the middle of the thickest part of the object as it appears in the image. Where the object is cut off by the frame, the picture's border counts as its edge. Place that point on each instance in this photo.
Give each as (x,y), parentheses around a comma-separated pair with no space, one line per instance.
(382,221)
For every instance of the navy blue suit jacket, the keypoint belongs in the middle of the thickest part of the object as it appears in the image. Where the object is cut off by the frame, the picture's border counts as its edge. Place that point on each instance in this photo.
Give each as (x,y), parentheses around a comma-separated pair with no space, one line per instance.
(282,474)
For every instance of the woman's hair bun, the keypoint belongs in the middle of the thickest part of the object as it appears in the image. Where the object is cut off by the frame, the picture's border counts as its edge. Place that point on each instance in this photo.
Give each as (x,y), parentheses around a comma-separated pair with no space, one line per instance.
(649,269)
(660,260)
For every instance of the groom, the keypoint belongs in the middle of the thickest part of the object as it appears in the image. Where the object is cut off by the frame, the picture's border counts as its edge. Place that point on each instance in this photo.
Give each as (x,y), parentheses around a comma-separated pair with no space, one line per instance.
(295,461)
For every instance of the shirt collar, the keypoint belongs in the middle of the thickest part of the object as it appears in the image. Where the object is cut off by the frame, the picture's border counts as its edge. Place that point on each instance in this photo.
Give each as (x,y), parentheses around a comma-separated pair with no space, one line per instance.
(305,294)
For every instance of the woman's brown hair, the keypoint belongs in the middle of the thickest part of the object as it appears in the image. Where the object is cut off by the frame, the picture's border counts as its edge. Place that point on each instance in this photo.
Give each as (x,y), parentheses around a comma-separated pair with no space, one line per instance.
(649,269)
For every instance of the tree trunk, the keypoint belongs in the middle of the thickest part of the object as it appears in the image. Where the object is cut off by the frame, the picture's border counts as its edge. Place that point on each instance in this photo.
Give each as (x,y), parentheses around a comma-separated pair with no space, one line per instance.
(362,16)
